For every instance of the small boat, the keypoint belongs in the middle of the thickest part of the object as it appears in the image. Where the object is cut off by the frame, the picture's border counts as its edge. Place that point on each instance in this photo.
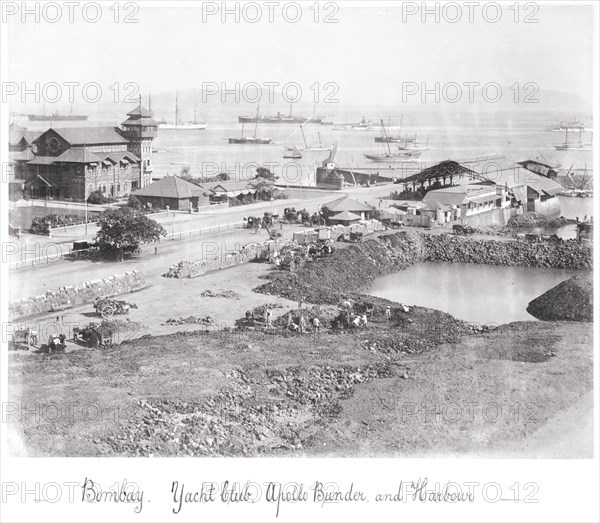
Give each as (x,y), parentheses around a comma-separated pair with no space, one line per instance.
(395,139)
(251,140)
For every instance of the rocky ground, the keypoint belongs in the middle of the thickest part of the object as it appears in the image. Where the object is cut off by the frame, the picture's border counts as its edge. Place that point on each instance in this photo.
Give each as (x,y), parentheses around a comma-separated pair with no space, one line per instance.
(422,383)
(396,388)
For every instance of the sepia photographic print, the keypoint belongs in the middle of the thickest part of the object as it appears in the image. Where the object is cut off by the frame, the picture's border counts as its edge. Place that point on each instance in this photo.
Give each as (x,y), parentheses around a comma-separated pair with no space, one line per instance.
(299,261)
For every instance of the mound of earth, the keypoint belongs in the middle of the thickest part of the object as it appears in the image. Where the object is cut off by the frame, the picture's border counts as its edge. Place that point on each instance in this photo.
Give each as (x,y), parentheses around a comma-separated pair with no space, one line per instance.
(571,300)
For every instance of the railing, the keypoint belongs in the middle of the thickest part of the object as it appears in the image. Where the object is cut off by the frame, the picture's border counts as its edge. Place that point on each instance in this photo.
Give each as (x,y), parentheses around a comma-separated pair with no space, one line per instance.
(66,249)
(94,223)
(215,229)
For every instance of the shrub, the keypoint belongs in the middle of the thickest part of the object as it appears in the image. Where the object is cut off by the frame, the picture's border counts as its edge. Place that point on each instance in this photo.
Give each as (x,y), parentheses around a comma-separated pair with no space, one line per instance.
(42,225)
(97,198)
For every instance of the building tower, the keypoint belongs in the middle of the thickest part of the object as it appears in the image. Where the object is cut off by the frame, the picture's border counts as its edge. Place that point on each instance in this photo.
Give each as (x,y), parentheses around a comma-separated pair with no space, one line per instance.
(141,129)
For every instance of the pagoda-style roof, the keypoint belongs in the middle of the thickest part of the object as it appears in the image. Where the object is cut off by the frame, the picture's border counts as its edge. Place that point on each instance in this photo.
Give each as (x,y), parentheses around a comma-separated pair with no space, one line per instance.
(140,111)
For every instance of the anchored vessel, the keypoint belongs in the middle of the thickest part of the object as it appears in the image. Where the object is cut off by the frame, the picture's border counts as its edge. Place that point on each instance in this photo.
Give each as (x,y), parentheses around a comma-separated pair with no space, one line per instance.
(56,117)
(401,156)
(255,140)
(574,146)
(177,125)
(280,118)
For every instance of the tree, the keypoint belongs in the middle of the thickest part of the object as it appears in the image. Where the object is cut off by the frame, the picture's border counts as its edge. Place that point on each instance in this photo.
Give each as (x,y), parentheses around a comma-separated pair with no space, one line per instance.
(134,202)
(265,188)
(263,172)
(125,229)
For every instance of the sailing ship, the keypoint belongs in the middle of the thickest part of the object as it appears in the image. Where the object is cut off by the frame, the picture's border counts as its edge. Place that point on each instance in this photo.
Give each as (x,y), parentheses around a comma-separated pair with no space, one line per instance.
(255,140)
(574,146)
(401,156)
(56,117)
(396,138)
(280,118)
(414,146)
(177,125)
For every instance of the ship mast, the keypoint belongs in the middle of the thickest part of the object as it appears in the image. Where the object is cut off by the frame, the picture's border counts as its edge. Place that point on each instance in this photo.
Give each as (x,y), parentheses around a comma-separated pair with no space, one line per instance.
(385,137)
(256,123)
(303,137)
(176,111)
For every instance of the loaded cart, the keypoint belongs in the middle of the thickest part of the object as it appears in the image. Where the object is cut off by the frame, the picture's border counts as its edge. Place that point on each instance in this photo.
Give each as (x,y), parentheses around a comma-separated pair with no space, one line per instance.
(95,334)
(109,307)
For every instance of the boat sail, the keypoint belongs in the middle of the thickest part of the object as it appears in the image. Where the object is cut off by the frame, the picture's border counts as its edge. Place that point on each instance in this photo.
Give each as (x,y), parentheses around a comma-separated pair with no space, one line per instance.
(178,125)
(254,140)
(293,153)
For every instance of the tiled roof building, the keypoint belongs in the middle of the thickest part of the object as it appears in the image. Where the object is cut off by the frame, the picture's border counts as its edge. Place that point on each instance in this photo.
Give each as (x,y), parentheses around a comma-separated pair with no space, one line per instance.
(71,163)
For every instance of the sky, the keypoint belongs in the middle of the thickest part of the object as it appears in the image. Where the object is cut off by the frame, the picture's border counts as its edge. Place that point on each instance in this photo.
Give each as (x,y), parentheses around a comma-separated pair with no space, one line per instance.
(369,54)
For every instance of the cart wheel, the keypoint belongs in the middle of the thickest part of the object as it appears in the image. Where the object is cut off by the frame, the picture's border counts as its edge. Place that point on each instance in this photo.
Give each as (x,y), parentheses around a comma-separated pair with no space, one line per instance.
(107,311)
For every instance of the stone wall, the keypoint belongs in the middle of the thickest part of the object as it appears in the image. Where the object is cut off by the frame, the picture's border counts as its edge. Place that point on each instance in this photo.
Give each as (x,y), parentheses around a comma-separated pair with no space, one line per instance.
(567,254)
(193,269)
(72,296)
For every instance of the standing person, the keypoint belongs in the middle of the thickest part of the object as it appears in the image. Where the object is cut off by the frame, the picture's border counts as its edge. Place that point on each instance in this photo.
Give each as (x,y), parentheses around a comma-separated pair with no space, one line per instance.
(388,313)
(266,315)
(269,316)
(302,324)
(316,324)
(364,320)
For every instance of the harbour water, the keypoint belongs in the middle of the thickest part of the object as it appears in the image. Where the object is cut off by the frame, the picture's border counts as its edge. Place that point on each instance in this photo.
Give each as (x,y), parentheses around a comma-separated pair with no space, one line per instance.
(518,135)
(471,292)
